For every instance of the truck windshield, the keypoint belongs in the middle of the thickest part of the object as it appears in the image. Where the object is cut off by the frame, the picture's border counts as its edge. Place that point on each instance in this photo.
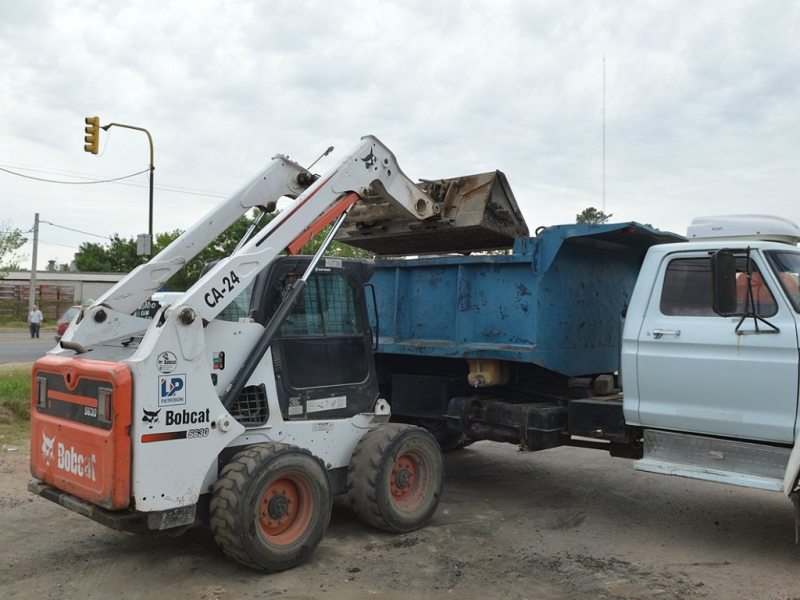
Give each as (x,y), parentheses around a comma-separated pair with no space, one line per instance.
(787,267)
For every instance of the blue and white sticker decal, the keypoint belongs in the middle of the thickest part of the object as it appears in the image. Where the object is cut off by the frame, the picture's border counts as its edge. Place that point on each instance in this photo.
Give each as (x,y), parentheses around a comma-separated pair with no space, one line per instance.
(171,390)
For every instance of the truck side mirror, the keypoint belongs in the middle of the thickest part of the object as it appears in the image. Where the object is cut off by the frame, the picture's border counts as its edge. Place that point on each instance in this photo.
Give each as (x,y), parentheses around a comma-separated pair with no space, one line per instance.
(723,278)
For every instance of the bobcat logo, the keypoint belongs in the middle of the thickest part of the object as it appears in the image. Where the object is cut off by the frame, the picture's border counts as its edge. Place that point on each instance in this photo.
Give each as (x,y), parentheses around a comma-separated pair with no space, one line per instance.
(47,448)
(370,160)
(150,417)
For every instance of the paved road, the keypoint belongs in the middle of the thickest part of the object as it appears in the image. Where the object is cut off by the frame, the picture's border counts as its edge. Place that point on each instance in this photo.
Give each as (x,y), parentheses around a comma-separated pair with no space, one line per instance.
(19,347)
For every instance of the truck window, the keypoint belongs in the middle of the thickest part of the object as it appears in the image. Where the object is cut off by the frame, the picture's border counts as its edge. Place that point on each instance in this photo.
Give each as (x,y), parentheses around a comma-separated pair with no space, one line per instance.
(787,268)
(687,289)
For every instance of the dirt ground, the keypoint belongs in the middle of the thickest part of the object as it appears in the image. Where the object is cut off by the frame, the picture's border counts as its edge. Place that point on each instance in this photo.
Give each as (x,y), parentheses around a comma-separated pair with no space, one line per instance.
(561,524)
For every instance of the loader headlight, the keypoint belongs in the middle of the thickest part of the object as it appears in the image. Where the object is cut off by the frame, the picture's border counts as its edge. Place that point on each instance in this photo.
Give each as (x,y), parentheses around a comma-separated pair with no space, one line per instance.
(105,404)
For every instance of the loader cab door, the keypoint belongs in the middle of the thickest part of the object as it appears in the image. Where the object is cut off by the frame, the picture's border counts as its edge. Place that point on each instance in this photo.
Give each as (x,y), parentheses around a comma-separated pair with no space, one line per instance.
(323,360)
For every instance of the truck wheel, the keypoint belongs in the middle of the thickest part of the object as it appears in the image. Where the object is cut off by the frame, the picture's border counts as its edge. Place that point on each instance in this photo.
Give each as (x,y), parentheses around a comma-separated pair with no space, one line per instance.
(271,506)
(395,477)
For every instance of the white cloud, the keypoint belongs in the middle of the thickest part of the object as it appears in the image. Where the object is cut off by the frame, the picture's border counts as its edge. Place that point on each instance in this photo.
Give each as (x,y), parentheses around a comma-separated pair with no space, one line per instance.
(700,102)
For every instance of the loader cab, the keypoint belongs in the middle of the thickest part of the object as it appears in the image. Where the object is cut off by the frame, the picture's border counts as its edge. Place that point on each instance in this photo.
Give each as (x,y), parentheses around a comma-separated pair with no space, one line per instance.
(322,355)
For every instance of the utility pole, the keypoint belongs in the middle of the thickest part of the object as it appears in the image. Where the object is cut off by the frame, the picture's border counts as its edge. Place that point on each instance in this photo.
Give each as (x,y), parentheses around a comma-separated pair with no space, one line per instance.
(32,293)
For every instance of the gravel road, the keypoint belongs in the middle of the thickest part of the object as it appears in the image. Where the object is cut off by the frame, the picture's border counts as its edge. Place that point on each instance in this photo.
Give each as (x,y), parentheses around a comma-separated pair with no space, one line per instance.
(562,524)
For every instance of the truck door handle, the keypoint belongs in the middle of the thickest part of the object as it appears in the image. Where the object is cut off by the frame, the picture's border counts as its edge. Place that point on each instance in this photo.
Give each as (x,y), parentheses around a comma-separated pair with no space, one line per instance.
(657,333)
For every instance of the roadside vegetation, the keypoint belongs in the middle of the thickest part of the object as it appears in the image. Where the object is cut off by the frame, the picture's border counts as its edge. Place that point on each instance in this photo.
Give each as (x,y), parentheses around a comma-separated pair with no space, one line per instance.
(15,397)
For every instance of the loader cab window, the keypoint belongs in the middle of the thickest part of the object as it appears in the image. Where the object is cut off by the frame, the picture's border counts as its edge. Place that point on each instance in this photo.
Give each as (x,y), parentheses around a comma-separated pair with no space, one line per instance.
(239,308)
(687,289)
(328,307)
(323,343)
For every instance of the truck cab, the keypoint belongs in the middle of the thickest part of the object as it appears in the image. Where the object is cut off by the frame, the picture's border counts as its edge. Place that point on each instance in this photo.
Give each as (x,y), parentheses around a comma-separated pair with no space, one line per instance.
(725,384)
(675,345)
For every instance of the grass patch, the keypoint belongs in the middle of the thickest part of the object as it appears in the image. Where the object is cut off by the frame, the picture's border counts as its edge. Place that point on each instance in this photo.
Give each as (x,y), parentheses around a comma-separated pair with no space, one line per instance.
(15,399)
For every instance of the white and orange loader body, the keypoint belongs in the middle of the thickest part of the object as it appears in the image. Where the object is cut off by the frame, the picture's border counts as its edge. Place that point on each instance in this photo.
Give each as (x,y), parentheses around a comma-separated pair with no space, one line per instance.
(131,421)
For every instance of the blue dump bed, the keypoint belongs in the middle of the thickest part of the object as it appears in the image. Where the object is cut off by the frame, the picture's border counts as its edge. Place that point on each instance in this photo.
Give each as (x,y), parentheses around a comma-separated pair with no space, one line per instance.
(556,301)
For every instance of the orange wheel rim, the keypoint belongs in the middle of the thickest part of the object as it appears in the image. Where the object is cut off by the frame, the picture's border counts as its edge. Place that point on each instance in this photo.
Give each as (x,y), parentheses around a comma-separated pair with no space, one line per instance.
(406,481)
(285,509)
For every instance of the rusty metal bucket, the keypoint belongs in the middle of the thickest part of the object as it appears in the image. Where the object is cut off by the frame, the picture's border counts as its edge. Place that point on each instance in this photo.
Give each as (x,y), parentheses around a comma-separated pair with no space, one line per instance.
(477,212)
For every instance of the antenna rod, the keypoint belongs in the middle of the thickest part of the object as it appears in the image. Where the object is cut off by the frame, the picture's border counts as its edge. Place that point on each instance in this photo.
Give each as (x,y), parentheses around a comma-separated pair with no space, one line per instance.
(604,134)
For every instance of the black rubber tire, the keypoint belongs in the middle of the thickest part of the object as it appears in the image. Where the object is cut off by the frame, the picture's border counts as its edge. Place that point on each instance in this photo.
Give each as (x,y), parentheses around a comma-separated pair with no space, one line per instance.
(395,477)
(271,506)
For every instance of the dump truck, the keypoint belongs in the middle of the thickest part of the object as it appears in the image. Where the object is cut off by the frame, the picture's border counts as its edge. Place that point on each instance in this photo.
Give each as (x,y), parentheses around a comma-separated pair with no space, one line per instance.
(679,352)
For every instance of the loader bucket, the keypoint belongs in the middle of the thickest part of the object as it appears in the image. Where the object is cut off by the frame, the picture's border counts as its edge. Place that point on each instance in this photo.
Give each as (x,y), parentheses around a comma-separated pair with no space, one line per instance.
(477,212)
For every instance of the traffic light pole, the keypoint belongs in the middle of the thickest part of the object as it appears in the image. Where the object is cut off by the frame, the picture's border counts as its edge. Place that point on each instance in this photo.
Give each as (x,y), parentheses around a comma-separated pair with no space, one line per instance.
(152,169)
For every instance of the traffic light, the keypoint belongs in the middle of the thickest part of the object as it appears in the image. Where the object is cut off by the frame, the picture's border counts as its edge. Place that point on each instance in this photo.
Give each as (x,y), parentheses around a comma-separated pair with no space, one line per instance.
(92,135)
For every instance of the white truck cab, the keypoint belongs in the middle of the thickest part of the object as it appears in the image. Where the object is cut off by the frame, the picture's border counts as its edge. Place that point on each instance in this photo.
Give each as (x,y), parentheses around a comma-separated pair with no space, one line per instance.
(717,390)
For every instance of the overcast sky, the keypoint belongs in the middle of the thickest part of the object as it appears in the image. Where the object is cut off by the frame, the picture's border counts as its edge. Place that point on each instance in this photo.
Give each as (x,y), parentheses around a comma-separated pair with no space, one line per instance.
(702,103)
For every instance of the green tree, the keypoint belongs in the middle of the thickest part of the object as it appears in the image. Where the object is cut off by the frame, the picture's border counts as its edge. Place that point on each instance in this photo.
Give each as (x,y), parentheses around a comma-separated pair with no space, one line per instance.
(118,256)
(592,215)
(11,240)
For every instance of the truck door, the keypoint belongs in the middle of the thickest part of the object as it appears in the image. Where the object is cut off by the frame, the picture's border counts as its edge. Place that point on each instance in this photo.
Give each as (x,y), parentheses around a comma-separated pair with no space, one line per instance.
(697,374)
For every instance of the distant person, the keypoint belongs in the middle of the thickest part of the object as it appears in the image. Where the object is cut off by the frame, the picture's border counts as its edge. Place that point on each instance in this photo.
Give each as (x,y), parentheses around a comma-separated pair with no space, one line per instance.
(35,318)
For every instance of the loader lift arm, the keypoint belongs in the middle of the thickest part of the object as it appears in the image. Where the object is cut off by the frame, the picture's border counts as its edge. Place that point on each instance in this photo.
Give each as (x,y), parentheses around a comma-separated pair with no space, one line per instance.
(282,177)
(369,168)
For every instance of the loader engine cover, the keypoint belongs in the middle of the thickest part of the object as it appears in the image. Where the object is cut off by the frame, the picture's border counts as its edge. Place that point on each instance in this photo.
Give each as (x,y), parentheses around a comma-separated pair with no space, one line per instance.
(476,212)
(80,423)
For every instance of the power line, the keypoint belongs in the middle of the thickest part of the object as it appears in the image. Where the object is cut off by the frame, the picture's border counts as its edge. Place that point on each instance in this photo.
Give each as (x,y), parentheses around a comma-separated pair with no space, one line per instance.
(50,170)
(73,182)
(41,241)
(78,175)
(105,237)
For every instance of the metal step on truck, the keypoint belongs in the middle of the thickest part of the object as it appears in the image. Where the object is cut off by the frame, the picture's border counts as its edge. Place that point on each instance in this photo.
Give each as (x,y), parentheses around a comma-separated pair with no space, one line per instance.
(535,346)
